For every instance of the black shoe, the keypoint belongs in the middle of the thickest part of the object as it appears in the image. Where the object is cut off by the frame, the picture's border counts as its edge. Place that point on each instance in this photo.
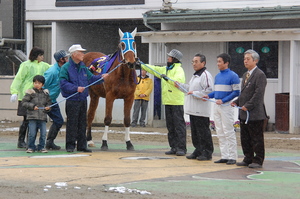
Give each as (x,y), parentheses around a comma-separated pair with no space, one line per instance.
(21,145)
(192,156)
(52,146)
(180,153)
(242,164)
(171,152)
(255,165)
(221,161)
(85,150)
(143,125)
(133,125)
(70,150)
(203,158)
(230,161)
(55,147)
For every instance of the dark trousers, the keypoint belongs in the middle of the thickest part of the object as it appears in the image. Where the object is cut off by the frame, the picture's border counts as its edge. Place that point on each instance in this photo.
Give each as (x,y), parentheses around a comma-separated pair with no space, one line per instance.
(139,105)
(22,111)
(176,127)
(201,136)
(252,140)
(76,124)
(58,121)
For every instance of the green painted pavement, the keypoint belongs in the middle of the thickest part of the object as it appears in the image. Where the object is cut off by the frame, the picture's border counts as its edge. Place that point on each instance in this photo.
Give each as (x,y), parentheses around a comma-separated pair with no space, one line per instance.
(265,185)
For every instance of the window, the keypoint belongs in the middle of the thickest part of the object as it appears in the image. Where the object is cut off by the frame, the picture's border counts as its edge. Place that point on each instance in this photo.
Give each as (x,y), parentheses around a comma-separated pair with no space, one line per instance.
(267,50)
(69,3)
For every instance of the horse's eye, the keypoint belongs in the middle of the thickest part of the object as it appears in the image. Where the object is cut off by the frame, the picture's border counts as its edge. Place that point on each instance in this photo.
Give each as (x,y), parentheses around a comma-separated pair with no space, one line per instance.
(123,46)
(134,45)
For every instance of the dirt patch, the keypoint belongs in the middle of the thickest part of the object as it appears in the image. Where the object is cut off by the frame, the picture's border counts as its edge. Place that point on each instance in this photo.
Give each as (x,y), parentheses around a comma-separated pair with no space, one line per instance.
(27,188)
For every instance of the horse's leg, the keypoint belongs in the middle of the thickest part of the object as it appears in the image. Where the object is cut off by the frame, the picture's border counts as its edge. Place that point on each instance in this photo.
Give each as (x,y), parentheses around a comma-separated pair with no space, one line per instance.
(127,107)
(107,120)
(90,117)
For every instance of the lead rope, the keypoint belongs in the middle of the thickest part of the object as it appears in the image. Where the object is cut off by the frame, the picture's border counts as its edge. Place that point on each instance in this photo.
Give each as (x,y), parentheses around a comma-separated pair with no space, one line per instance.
(84,87)
(185,91)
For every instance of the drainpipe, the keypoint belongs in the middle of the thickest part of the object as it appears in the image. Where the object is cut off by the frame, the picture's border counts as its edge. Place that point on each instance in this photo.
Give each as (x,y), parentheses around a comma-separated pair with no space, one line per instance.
(16,41)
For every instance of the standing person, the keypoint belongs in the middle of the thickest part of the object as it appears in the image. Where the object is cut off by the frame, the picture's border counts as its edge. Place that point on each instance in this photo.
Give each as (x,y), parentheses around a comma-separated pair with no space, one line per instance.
(226,89)
(37,102)
(200,85)
(173,99)
(141,98)
(74,77)
(252,99)
(22,82)
(52,84)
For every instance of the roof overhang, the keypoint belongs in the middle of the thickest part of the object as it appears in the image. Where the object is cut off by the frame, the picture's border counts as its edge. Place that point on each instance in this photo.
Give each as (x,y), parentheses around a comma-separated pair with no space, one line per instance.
(220,35)
(215,15)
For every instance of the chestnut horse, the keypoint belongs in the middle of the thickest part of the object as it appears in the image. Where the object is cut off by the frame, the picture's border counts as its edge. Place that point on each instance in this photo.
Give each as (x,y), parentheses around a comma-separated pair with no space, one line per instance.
(120,84)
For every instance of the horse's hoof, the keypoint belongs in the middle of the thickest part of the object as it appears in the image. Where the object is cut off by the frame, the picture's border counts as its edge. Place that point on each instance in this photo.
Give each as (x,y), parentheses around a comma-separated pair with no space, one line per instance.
(129,146)
(91,143)
(104,146)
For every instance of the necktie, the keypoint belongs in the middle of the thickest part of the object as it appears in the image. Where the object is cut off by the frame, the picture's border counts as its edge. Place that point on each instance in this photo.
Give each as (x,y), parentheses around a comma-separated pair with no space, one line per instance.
(247,77)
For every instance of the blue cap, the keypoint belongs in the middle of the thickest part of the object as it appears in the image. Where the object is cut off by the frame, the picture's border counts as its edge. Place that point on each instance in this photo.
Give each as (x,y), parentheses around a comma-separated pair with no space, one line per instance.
(60,54)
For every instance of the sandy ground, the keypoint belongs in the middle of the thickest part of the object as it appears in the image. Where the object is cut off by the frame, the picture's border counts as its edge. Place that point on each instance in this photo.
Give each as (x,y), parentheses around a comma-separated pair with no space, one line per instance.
(36,186)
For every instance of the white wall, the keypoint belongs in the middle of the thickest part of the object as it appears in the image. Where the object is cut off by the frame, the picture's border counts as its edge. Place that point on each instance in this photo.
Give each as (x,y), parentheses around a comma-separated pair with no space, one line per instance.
(46,10)
(6,16)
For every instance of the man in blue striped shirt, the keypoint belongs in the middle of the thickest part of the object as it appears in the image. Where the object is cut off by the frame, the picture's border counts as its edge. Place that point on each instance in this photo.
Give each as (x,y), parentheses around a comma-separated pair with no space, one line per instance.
(226,89)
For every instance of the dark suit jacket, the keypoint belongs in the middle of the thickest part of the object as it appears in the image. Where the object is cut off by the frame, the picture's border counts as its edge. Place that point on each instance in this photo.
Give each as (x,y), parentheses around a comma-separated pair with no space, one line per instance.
(252,96)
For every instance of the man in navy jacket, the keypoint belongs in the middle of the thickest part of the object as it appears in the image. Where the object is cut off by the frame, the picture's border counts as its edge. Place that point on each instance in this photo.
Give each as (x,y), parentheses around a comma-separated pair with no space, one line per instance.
(74,77)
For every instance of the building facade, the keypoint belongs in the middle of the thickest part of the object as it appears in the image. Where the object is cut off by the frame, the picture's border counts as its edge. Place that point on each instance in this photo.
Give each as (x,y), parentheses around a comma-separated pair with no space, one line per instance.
(270,27)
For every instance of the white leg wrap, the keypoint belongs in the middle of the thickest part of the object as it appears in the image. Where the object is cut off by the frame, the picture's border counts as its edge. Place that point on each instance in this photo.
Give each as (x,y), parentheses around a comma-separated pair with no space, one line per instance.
(91,143)
(104,137)
(127,131)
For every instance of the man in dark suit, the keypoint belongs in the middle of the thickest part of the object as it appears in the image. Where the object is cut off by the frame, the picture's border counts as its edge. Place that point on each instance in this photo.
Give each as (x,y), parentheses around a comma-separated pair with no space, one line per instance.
(251,99)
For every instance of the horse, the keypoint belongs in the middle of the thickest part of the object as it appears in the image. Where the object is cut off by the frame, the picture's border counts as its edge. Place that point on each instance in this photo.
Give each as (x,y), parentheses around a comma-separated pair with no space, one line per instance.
(120,84)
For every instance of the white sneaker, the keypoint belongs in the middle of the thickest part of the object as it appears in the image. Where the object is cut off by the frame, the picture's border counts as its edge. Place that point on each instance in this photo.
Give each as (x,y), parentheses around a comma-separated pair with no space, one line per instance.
(29,151)
(43,151)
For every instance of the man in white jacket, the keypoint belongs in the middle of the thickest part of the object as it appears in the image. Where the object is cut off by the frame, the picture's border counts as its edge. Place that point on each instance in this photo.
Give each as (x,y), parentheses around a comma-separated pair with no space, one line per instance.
(200,84)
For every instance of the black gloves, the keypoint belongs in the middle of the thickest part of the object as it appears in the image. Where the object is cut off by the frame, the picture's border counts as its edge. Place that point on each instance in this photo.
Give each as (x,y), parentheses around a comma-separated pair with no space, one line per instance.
(164,77)
(138,63)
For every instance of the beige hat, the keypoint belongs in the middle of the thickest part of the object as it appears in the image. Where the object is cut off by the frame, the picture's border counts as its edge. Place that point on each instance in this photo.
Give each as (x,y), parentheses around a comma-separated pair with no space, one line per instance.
(76,47)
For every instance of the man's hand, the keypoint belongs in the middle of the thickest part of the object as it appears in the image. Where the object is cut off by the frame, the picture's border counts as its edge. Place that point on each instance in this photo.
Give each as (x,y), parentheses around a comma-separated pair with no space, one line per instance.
(13,98)
(233,104)
(219,102)
(105,75)
(164,77)
(80,89)
(205,97)
(138,63)
(244,108)
(176,84)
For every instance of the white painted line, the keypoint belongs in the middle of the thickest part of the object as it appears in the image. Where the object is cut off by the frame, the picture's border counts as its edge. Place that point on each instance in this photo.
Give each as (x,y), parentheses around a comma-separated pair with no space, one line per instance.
(60,156)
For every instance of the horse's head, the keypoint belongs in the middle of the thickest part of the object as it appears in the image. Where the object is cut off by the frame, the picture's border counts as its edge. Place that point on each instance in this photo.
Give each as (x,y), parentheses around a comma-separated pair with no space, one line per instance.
(128,47)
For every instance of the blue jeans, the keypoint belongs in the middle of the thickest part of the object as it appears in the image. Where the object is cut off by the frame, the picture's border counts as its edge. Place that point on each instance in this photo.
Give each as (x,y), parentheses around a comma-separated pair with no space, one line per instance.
(34,125)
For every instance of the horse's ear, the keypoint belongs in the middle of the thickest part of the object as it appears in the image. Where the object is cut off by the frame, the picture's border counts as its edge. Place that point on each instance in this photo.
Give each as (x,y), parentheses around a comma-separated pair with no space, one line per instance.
(134,32)
(121,33)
